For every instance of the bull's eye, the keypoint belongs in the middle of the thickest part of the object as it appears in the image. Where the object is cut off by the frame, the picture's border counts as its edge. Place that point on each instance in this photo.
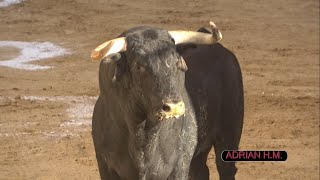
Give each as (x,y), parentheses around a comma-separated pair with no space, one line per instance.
(139,67)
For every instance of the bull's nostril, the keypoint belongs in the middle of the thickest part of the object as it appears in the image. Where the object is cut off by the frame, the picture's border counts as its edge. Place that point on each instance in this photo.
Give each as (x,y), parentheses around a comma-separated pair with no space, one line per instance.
(166,108)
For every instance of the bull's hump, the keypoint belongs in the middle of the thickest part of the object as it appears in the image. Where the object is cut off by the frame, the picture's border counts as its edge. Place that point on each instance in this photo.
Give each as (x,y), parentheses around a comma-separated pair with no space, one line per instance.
(150,34)
(148,43)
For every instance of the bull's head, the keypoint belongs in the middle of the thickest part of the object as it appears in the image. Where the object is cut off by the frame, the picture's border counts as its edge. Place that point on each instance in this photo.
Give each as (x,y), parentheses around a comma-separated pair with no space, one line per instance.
(153,72)
(152,53)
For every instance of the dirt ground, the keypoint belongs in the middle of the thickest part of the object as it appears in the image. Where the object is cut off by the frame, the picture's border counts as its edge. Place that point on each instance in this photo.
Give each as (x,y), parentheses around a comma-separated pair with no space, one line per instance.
(45,115)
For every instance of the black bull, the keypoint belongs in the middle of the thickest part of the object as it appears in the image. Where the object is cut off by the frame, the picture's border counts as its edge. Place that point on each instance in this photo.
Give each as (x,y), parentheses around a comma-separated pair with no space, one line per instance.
(132,142)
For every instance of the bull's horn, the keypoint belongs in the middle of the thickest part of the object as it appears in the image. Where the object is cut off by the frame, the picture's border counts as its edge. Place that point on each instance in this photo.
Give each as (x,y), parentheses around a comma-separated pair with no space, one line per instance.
(109,47)
(181,37)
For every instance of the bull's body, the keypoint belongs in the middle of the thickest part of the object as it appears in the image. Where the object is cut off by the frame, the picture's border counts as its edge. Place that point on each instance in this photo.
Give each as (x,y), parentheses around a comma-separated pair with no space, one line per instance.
(214,82)
(213,96)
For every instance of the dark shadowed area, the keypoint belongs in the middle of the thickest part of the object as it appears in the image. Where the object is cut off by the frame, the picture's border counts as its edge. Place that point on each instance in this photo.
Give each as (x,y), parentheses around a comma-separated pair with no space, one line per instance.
(45,115)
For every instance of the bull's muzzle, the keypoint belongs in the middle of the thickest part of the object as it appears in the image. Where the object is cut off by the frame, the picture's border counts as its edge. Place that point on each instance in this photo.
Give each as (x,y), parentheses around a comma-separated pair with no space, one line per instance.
(172,110)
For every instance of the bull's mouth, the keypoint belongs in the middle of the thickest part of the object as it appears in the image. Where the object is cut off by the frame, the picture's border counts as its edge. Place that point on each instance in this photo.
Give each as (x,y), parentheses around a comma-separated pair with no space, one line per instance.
(172,110)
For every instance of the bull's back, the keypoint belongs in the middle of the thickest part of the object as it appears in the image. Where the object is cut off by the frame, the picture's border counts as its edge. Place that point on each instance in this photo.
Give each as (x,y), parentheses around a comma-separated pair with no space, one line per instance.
(214,83)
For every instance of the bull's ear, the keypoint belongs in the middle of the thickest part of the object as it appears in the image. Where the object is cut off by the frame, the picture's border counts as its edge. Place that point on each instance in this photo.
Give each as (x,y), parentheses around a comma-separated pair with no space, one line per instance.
(115,70)
(120,68)
(181,64)
(112,58)
(105,74)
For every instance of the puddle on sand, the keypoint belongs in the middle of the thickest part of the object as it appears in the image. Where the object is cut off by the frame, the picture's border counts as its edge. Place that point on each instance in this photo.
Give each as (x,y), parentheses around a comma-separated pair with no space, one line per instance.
(30,51)
(5,3)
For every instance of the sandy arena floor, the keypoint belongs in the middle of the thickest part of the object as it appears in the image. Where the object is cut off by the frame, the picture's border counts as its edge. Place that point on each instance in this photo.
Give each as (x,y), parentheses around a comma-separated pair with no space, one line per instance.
(45,113)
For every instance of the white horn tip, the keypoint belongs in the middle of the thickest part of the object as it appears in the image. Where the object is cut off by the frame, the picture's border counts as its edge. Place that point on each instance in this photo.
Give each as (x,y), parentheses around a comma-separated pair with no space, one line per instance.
(216,31)
(212,24)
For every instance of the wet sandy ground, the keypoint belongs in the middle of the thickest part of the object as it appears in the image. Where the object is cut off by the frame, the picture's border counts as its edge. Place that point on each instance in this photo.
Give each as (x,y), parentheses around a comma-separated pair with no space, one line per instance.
(45,115)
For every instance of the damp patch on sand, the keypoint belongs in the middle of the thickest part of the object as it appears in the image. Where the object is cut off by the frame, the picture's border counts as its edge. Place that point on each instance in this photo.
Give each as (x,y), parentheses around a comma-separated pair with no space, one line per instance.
(30,51)
(79,113)
(5,3)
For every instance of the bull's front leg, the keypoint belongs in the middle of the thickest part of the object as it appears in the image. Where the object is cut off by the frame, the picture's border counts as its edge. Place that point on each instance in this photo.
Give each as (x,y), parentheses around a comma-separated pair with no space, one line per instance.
(181,171)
